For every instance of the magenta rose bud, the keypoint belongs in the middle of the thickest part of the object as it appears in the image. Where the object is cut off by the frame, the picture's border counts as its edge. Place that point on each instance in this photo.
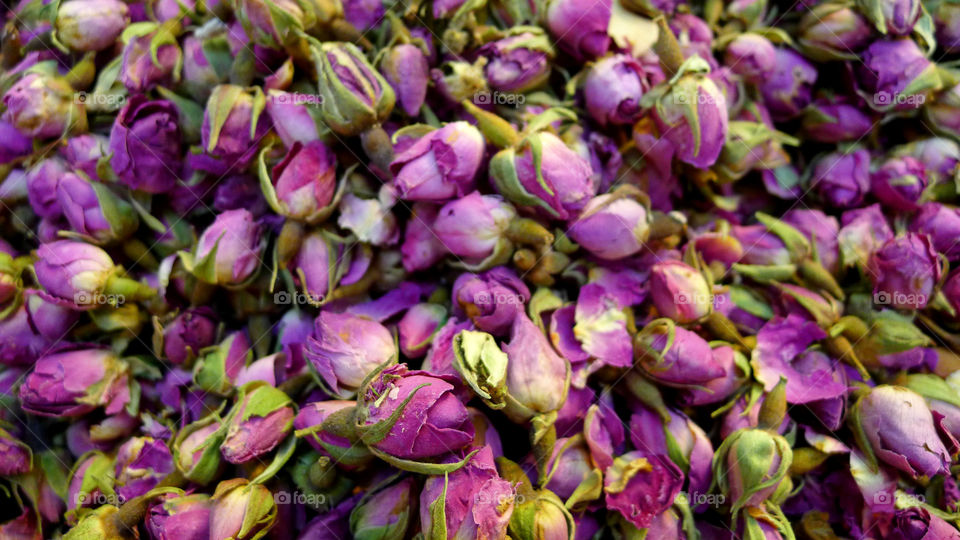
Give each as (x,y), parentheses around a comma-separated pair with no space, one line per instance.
(751,56)
(296,118)
(74,383)
(432,422)
(94,211)
(303,184)
(138,70)
(904,271)
(17,456)
(580,27)
(179,517)
(787,89)
(474,225)
(491,300)
(418,326)
(233,240)
(145,145)
(680,291)
(142,462)
(386,513)
(916,523)
(896,427)
(42,182)
(233,124)
(899,182)
(406,69)
(687,362)
(760,246)
(833,31)
(821,230)
(692,115)
(641,486)
(91,25)
(188,333)
(613,89)
(309,425)
(941,223)
(440,165)
(612,226)
(84,152)
(833,121)
(842,179)
(43,107)
(345,348)
(519,62)
(537,377)
(896,75)
(260,420)
(13,143)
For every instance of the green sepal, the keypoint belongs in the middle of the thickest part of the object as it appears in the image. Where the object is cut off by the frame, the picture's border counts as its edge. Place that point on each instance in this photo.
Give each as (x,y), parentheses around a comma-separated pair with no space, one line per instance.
(270,192)
(166,34)
(343,111)
(419,467)
(795,241)
(260,399)
(766,274)
(205,469)
(933,386)
(588,490)
(280,458)
(482,365)
(221,102)
(372,434)
(504,174)
(438,514)
(190,114)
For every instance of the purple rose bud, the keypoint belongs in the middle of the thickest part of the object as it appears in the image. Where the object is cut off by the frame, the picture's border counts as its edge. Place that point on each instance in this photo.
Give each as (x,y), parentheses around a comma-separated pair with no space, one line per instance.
(84,152)
(418,326)
(94,211)
(241,510)
(561,186)
(270,24)
(432,422)
(74,383)
(751,466)
(821,230)
(142,462)
(309,425)
(864,231)
(42,182)
(895,74)
(733,364)
(473,226)
(234,242)
(233,124)
(786,91)
(196,450)
(17,457)
(751,56)
(580,27)
(363,14)
(260,420)
(833,121)
(204,58)
(370,220)
(613,89)
(13,143)
(894,17)
(91,25)
(904,271)
(519,62)
(303,184)
(345,348)
(74,271)
(421,246)
(477,503)
(355,96)
(491,300)
(916,523)
(941,223)
(406,69)
(145,145)
(833,31)
(143,67)
(295,117)
(946,16)
(440,165)
(217,370)
(760,246)
(90,482)
(44,107)
(692,115)
(179,517)
(894,425)
(842,179)
(640,486)
(188,333)
(386,513)
(687,362)
(680,292)
(942,111)
(899,182)
(537,377)
(612,226)
(568,466)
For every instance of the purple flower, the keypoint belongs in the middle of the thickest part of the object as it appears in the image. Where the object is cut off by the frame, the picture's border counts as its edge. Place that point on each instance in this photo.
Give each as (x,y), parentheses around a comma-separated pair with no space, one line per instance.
(760,246)
(421,247)
(833,120)
(891,69)
(304,182)
(899,183)
(17,457)
(864,231)
(688,360)
(242,510)
(491,300)
(786,91)
(519,62)
(612,226)
(833,31)
(641,487)
(613,89)
(569,465)
(580,26)
(258,422)
(363,14)
(84,152)
(141,71)
(418,327)
(345,348)
(43,107)
(821,230)
(355,96)
(142,462)
(680,292)
(904,271)
(537,377)
(842,179)
(13,143)
(941,223)
(73,271)
(601,327)
(406,69)
(432,422)
(895,426)
(295,118)
(74,383)
(649,434)
(91,25)
(474,225)
(233,125)
(309,422)
(233,240)
(93,210)
(179,517)
(188,333)
(386,513)
(716,390)
(751,56)
(145,145)
(917,523)
(692,115)
(440,165)
(42,182)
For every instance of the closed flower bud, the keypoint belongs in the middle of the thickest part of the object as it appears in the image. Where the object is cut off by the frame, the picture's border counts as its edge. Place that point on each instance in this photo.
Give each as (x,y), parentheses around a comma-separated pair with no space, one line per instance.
(406,69)
(541,516)
(413,415)
(142,462)
(188,333)
(228,252)
(787,89)
(685,360)
(205,56)
(145,145)
(680,292)
(895,426)
(946,16)
(751,466)
(821,230)
(386,514)
(440,165)
(91,25)
(272,23)
(94,211)
(44,107)
(241,510)
(355,96)
(13,143)
(196,450)
(260,420)
(894,17)
(74,383)
(905,270)
(833,120)
(864,231)
(17,457)
(233,124)
(83,274)
(102,522)
(217,370)
(899,183)
(613,89)
(842,179)
(560,186)
(751,56)
(519,62)
(491,300)
(941,223)
(418,326)
(641,487)
(146,63)
(302,186)
(896,75)
(309,425)
(917,523)
(612,226)
(537,377)
(760,246)
(295,118)
(344,349)
(42,182)
(179,517)
(474,226)
(833,31)
(84,152)
(943,111)
(580,27)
